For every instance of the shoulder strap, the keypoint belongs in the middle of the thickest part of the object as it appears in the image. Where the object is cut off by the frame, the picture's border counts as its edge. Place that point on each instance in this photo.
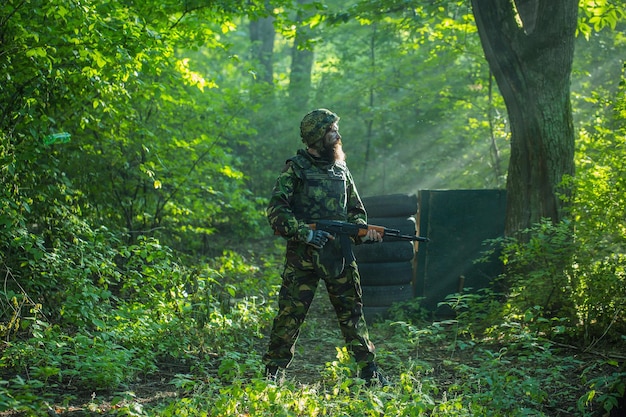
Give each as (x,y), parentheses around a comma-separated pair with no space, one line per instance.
(300,161)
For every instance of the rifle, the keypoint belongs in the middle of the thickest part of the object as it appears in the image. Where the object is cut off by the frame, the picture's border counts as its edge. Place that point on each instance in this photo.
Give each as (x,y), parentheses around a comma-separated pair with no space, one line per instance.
(346,230)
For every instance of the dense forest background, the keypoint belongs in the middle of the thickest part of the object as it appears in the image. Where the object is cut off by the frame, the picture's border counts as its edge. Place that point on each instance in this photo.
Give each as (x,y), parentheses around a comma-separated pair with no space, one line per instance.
(139,142)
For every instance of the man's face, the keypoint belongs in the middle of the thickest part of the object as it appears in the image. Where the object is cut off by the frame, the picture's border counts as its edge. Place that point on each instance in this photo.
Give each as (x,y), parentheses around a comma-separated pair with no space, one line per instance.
(331,143)
(332,136)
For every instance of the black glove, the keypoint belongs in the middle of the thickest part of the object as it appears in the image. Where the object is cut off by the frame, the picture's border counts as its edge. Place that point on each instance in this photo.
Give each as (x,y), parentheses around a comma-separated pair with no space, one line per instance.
(318,238)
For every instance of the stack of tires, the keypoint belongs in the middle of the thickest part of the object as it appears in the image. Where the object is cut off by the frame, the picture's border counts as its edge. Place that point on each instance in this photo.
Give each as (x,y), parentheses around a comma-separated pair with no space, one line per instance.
(387,268)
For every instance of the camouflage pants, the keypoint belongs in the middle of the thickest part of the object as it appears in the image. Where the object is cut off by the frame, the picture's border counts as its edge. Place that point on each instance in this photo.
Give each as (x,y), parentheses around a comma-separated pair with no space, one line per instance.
(303,271)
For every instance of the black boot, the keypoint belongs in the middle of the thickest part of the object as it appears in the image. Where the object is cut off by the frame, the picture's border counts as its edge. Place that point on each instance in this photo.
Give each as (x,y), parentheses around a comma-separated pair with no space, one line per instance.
(272,374)
(372,376)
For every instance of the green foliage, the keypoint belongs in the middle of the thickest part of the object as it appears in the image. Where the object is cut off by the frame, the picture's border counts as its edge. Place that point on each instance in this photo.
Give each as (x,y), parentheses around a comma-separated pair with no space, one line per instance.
(555,276)
(500,359)
(163,314)
(149,134)
(606,389)
(540,271)
(59,269)
(135,141)
(597,15)
(81,360)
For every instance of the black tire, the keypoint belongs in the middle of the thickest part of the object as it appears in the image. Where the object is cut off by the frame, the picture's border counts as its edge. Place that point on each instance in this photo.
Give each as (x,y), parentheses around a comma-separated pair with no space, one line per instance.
(386,295)
(385,252)
(375,314)
(393,205)
(386,273)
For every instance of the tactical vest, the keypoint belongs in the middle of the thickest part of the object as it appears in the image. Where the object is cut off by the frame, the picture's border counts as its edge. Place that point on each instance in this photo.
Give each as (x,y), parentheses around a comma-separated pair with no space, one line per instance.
(324,190)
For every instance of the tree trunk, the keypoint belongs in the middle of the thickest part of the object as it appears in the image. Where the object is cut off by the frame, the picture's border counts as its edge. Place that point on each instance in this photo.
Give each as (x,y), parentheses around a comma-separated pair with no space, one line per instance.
(532,62)
(301,65)
(369,135)
(262,35)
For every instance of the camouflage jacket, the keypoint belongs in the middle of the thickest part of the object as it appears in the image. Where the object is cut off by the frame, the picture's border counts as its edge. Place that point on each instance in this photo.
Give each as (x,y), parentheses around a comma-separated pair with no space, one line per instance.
(310,189)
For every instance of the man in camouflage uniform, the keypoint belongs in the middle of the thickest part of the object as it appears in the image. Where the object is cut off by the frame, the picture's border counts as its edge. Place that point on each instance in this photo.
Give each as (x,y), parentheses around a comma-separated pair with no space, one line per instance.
(316,184)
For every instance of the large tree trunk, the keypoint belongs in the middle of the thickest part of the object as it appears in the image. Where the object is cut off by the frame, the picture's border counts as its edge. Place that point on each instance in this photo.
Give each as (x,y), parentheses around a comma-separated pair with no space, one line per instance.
(532,65)
(302,58)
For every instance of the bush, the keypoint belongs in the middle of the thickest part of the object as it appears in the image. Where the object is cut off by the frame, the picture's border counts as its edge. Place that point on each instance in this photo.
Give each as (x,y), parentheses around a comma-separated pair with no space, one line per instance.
(557,277)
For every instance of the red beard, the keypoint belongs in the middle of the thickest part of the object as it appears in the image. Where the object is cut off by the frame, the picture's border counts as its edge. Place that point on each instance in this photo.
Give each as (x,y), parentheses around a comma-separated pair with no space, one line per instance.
(334,152)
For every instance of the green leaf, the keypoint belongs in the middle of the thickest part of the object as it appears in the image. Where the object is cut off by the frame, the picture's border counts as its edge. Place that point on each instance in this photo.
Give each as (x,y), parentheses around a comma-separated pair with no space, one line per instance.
(38,51)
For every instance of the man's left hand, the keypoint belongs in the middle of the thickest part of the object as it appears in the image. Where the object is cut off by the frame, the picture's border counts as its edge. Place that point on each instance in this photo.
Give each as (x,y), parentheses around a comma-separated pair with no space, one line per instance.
(372,236)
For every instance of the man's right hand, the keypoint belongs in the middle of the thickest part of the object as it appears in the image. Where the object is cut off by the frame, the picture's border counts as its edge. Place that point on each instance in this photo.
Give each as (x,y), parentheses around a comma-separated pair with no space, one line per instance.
(318,238)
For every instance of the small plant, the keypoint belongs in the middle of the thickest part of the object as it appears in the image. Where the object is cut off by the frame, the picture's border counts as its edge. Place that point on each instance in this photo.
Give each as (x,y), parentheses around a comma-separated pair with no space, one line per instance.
(605,390)
(342,371)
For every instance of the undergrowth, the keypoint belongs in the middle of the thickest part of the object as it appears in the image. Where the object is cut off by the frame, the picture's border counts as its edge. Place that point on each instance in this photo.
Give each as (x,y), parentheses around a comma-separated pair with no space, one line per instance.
(138,330)
(203,334)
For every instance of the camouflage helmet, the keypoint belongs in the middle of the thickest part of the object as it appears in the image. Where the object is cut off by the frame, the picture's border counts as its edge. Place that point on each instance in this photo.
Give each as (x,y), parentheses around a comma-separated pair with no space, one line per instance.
(315,125)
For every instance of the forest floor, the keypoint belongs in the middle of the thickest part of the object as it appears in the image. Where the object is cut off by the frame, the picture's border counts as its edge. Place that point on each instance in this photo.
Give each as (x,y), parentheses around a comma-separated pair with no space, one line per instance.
(316,346)
(320,336)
